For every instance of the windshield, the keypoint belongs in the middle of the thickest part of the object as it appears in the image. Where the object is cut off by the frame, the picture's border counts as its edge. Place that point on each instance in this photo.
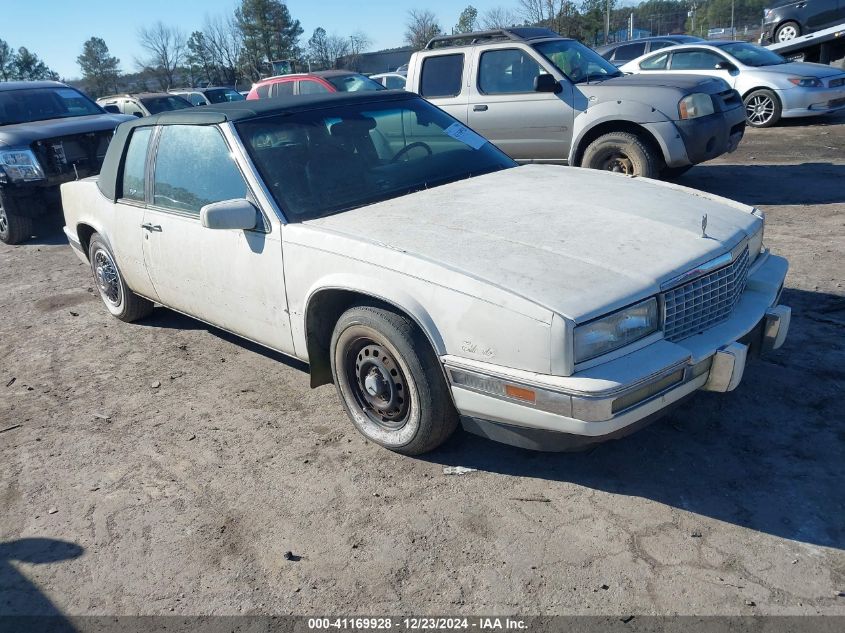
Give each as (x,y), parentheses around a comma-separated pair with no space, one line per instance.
(40,104)
(165,104)
(223,95)
(353,83)
(752,55)
(576,61)
(320,162)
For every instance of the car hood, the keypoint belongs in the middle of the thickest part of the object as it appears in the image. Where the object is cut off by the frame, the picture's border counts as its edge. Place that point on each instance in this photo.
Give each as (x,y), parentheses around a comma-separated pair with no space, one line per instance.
(577,241)
(799,69)
(22,134)
(686,83)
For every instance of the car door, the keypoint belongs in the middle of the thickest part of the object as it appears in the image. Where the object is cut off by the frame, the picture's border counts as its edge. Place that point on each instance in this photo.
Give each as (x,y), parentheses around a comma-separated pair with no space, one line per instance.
(442,82)
(505,108)
(821,13)
(701,61)
(229,278)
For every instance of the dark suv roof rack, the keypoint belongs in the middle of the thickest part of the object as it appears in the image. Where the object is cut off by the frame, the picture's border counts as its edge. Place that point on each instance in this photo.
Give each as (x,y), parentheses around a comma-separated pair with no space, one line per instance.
(520,33)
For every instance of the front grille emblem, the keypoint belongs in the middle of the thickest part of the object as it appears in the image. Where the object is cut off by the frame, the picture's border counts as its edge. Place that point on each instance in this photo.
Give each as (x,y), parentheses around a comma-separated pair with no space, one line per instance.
(704,226)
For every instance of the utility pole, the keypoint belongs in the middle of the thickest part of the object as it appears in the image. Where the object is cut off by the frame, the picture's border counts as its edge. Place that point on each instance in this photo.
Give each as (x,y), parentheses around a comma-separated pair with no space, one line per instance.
(733,30)
(631,26)
(607,24)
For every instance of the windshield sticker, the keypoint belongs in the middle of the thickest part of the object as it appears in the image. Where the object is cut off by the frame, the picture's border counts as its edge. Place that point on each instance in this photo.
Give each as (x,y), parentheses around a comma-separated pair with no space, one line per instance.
(465,135)
(67,93)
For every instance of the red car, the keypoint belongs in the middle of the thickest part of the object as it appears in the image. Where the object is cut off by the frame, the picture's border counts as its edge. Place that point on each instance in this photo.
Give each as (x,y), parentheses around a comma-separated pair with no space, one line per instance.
(312,83)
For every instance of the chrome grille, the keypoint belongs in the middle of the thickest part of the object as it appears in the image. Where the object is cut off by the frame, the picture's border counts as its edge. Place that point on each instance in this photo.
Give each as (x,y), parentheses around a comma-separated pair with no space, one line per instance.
(704,301)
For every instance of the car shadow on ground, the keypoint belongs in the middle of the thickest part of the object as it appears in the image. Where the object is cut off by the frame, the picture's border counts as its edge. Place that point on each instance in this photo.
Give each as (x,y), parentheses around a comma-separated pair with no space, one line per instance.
(763,457)
(768,184)
(21,597)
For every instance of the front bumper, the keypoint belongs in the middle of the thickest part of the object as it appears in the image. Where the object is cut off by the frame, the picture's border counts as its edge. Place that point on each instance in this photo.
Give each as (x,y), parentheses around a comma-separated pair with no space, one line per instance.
(615,398)
(711,136)
(798,102)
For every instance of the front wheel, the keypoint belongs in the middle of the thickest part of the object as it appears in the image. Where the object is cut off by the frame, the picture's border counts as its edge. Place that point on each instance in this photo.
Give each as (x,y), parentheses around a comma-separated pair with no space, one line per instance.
(762,108)
(14,228)
(624,153)
(390,382)
(116,295)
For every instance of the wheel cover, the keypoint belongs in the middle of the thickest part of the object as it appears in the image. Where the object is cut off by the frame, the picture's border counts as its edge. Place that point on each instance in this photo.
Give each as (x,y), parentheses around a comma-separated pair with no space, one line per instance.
(619,163)
(4,221)
(377,383)
(107,277)
(787,33)
(759,109)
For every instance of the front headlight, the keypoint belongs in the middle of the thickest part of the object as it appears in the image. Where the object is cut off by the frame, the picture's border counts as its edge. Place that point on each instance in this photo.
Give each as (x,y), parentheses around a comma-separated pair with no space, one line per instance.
(755,243)
(695,105)
(616,330)
(806,82)
(20,165)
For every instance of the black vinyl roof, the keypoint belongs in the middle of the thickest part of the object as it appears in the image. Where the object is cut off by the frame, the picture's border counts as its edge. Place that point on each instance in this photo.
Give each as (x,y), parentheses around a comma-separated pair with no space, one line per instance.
(232,111)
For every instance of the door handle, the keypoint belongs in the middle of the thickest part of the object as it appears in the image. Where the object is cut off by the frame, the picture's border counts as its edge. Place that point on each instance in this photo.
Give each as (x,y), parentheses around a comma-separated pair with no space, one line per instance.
(152,228)
(479,108)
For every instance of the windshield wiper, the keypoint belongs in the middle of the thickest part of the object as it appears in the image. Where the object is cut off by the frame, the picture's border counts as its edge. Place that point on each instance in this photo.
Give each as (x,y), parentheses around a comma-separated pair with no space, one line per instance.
(599,77)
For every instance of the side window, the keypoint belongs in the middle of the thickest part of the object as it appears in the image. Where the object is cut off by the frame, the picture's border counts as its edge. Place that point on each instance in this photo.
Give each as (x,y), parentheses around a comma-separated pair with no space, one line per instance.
(134,164)
(656,46)
(131,107)
(629,51)
(695,60)
(442,75)
(197,99)
(507,71)
(282,89)
(193,168)
(655,62)
(263,91)
(310,87)
(394,83)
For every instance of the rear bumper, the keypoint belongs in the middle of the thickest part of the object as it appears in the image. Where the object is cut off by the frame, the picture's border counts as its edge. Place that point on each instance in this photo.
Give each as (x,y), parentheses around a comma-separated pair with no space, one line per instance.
(616,398)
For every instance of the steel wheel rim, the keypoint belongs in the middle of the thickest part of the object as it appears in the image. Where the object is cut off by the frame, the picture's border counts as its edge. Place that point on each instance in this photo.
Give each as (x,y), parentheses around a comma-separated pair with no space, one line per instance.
(618,163)
(760,109)
(378,384)
(4,221)
(107,277)
(787,33)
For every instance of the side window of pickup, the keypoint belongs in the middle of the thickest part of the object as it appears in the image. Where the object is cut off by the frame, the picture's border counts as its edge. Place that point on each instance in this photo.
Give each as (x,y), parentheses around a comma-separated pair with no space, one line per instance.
(193,168)
(442,75)
(507,71)
(134,164)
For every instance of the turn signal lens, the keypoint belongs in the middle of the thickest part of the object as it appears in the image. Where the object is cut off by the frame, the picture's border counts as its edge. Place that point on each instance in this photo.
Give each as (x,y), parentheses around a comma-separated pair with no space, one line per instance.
(520,393)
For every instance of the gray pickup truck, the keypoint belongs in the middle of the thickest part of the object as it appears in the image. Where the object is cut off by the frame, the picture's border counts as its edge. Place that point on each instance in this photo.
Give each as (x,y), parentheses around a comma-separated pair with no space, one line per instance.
(544,98)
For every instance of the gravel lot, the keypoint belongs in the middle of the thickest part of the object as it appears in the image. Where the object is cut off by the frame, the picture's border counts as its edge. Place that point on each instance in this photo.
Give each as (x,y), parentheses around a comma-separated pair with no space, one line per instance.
(165,467)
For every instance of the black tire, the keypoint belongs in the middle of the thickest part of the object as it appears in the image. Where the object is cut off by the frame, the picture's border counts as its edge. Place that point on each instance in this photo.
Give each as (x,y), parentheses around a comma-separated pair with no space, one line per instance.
(14,228)
(390,382)
(622,152)
(788,30)
(116,295)
(672,173)
(762,108)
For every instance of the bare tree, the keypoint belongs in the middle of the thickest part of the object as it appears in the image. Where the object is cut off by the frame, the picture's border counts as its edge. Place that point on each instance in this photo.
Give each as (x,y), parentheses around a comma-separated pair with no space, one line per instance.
(498,18)
(226,45)
(552,14)
(420,28)
(165,46)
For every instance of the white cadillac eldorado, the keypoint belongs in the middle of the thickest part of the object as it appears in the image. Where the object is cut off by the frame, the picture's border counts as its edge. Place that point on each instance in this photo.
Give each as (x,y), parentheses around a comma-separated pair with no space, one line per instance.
(413,264)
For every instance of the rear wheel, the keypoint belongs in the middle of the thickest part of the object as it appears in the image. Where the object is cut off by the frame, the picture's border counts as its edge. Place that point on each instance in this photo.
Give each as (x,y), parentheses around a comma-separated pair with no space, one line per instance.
(762,108)
(787,31)
(14,228)
(116,295)
(624,153)
(390,382)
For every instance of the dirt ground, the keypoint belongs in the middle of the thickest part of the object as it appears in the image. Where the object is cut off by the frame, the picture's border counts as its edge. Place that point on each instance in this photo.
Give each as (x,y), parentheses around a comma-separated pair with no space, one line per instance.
(119,497)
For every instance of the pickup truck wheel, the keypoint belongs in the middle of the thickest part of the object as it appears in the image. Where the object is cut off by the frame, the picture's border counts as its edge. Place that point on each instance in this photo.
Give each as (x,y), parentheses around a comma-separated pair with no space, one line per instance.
(787,31)
(116,295)
(14,228)
(762,108)
(624,153)
(389,381)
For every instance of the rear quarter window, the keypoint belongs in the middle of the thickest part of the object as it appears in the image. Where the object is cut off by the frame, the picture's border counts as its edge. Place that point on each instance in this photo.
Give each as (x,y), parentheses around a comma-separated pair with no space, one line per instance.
(442,75)
(134,164)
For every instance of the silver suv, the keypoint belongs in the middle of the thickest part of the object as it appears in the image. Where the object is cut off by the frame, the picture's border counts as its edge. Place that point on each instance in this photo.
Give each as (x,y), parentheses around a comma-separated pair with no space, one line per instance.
(544,98)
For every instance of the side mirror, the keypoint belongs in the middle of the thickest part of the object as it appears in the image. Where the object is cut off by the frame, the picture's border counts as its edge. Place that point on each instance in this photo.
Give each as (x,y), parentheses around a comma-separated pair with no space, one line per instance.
(140,115)
(238,215)
(546,83)
(111,108)
(726,65)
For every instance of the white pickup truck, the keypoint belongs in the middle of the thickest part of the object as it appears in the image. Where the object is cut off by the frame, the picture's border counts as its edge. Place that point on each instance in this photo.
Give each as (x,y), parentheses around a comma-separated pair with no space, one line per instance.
(417,267)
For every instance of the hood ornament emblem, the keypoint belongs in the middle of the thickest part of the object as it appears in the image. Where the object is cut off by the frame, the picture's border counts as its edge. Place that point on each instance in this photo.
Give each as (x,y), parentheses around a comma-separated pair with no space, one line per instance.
(704,226)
